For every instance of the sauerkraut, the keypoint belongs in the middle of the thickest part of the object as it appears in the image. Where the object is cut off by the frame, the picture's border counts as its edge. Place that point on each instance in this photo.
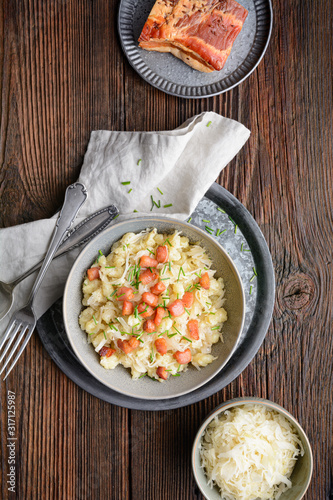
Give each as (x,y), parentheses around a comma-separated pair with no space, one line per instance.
(249,452)
(119,329)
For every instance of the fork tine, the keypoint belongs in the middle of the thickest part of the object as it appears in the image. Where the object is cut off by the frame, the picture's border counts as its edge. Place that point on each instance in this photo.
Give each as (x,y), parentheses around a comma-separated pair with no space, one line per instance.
(26,340)
(11,354)
(7,332)
(10,340)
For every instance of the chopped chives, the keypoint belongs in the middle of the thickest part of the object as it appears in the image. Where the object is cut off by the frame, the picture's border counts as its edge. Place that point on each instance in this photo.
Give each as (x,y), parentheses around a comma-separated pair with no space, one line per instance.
(205,220)
(170,335)
(139,161)
(167,240)
(188,312)
(168,205)
(189,220)
(135,211)
(144,374)
(110,267)
(169,266)
(215,328)
(209,124)
(94,319)
(242,247)
(209,229)
(254,270)
(163,279)
(251,286)
(252,278)
(160,191)
(221,210)
(234,223)
(235,228)
(150,251)
(120,295)
(93,333)
(173,326)
(130,191)
(104,334)
(188,340)
(126,183)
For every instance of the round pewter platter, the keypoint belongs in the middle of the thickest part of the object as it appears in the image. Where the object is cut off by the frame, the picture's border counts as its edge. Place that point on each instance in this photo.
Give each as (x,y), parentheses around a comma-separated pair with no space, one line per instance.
(242,239)
(171,75)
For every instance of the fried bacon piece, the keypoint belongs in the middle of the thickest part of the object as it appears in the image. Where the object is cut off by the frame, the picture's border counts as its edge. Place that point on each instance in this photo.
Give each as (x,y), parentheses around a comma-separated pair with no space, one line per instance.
(199,33)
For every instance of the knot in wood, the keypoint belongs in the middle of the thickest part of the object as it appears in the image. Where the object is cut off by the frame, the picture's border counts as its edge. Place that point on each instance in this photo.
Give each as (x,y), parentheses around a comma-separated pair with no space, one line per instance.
(298,292)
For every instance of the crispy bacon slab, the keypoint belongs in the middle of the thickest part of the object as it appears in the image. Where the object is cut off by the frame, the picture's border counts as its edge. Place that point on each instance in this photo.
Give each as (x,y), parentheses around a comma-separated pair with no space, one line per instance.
(199,32)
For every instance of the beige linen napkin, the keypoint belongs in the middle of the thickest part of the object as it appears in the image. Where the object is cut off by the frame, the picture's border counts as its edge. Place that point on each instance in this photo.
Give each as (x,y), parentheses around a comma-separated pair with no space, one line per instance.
(183,163)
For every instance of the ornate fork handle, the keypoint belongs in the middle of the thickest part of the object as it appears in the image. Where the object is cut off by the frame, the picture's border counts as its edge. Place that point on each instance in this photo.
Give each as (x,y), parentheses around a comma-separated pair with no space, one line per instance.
(76,194)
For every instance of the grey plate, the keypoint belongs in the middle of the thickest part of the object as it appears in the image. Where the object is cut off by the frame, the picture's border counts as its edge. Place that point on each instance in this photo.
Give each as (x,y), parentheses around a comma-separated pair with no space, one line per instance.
(174,77)
(248,249)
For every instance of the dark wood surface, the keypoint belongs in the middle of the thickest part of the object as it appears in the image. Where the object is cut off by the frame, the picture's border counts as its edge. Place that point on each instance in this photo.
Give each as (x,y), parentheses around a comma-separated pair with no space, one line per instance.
(63,74)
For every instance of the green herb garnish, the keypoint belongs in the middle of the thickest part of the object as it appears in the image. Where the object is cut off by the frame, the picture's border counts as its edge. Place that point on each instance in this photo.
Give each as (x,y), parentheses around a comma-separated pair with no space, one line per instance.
(168,205)
(139,161)
(126,183)
(160,191)
(94,319)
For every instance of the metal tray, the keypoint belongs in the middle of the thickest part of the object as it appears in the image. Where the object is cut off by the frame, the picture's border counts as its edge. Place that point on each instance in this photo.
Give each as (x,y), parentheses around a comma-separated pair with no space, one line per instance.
(243,240)
(169,74)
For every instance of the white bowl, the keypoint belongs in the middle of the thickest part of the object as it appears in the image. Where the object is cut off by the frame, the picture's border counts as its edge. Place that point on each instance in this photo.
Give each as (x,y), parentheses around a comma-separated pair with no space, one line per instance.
(119,379)
(301,475)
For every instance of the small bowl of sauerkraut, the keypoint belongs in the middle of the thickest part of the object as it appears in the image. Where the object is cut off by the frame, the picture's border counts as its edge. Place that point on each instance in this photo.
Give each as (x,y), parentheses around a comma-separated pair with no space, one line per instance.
(249,449)
(154,308)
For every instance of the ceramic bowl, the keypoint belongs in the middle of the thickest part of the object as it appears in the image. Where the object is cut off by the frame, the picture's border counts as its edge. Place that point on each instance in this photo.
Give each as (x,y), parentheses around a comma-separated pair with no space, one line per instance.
(301,475)
(119,379)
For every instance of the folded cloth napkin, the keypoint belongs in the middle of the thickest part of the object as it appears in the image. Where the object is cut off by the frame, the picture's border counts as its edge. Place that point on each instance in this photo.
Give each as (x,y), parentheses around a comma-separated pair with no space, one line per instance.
(125,169)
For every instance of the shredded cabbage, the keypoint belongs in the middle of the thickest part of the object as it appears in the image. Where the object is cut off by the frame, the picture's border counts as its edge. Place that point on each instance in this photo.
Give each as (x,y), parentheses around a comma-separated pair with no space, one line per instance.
(249,452)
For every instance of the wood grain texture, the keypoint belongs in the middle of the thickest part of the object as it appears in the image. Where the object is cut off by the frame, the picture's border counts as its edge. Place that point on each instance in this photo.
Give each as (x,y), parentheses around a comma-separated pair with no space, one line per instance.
(62,75)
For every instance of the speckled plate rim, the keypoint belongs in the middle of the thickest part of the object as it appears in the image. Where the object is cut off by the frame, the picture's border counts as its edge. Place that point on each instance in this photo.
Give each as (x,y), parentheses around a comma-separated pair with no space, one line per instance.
(249,64)
(238,402)
(244,353)
(150,222)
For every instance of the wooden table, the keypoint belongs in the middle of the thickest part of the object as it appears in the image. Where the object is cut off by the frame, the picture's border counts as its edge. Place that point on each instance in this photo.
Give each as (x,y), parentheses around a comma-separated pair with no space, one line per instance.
(63,74)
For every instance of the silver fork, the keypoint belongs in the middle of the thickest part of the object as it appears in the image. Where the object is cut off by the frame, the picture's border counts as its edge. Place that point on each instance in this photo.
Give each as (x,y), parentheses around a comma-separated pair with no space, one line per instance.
(23,321)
